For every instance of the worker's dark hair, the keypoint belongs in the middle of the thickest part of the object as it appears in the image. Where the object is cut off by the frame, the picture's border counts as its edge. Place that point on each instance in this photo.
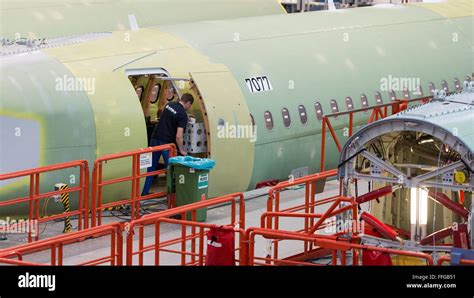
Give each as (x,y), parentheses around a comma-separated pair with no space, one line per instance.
(187,98)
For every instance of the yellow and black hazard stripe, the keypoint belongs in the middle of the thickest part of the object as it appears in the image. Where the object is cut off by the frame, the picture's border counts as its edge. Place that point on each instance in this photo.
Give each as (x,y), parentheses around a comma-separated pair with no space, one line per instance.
(67,207)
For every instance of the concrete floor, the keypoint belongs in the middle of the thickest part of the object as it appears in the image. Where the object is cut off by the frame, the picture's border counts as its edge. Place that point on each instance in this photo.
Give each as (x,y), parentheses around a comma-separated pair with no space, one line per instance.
(255,205)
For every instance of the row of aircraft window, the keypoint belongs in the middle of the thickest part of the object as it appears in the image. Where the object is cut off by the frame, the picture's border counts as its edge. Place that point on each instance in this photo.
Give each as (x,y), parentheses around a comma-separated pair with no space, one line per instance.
(350,105)
(154,93)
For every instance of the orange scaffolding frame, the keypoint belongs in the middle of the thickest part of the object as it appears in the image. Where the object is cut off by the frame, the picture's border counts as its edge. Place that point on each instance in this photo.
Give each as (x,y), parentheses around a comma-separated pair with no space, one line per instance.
(273,201)
(114,230)
(270,219)
(197,258)
(135,198)
(56,246)
(17,262)
(35,195)
(325,244)
(333,245)
(312,227)
(314,244)
(156,218)
(378,112)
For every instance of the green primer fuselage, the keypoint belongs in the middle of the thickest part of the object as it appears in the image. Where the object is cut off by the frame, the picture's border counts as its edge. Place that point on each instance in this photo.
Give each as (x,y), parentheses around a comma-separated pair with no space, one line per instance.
(308,58)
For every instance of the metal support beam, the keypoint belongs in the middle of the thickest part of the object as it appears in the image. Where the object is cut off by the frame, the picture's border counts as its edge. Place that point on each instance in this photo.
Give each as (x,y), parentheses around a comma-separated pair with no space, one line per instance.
(448,168)
(453,187)
(405,245)
(369,177)
(384,165)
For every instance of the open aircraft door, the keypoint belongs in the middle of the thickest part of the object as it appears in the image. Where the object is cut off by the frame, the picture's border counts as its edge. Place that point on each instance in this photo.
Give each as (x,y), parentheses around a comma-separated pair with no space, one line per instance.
(230,133)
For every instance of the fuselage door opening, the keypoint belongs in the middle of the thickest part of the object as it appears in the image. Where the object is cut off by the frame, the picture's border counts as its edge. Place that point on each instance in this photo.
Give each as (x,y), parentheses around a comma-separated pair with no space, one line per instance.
(155,89)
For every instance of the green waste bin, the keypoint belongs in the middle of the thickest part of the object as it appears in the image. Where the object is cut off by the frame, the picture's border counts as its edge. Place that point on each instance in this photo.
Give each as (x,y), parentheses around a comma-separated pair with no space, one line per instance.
(188,177)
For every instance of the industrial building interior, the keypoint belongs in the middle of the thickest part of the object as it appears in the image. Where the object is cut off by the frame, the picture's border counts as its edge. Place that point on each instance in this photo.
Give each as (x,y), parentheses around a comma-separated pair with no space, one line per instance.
(281,163)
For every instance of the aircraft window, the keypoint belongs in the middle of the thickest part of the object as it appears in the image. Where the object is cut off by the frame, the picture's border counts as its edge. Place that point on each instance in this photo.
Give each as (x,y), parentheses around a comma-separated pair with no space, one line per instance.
(139,91)
(406,93)
(364,101)
(268,120)
(392,95)
(457,84)
(154,93)
(220,122)
(303,115)
(319,111)
(334,107)
(419,91)
(444,84)
(432,88)
(286,117)
(349,104)
(252,120)
(378,98)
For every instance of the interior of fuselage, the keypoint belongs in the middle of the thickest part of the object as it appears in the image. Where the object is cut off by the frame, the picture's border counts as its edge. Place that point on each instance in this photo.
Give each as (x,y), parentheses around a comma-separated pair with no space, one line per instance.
(155,89)
(416,154)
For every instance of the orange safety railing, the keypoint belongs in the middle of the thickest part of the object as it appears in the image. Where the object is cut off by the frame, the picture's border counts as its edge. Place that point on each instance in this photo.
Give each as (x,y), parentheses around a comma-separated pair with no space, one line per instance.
(35,196)
(98,182)
(57,244)
(378,112)
(309,250)
(271,218)
(334,245)
(310,227)
(310,181)
(235,199)
(197,238)
(445,259)
(17,262)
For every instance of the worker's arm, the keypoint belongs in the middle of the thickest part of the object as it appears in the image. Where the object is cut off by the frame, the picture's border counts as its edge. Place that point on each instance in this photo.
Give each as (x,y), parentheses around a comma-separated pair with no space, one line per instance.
(179,140)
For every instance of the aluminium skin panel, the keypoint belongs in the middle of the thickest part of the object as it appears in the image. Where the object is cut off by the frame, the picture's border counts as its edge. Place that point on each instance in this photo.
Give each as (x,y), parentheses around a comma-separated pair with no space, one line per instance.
(323,55)
(41,123)
(54,18)
(116,112)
